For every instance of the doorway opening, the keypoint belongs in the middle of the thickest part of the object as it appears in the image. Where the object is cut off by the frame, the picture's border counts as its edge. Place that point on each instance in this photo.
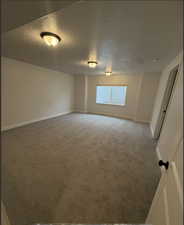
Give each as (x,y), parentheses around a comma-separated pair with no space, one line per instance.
(166,100)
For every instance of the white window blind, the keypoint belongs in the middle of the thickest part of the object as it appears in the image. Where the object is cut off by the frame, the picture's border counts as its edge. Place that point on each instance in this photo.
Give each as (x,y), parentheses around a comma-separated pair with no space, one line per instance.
(114,95)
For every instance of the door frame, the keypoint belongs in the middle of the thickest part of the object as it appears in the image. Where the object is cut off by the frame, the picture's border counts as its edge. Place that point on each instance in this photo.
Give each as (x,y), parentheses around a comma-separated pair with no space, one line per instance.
(166,99)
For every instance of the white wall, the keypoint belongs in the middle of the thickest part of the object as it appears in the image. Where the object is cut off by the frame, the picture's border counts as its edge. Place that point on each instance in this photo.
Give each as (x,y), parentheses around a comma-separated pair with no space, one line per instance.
(148,91)
(139,102)
(126,111)
(79,93)
(31,93)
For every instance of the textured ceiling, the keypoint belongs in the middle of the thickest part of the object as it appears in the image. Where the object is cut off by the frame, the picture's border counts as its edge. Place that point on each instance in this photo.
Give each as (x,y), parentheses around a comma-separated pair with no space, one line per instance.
(124,36)
(15,13)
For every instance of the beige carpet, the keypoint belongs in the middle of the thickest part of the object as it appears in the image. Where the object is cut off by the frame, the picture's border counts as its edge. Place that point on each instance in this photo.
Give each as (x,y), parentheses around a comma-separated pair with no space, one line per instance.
(79,168)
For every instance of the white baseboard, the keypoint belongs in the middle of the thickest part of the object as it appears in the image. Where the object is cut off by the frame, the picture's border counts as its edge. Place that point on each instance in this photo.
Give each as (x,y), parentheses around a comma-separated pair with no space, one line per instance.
(33,121)
(78,111)
(112,115)
(141,121)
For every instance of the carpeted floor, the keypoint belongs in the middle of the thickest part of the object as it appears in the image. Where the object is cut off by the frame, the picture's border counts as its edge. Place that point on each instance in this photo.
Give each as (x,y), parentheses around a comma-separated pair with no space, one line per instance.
(79,168)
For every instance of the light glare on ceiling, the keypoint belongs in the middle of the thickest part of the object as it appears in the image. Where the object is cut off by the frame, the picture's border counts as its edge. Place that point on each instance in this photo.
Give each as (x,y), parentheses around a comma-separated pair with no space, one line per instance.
(92,64)
(50,39)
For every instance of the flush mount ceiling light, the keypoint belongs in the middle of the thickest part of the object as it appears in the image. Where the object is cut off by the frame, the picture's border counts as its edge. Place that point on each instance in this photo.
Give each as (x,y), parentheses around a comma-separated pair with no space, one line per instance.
(50,39)
(108,73)
(92,64)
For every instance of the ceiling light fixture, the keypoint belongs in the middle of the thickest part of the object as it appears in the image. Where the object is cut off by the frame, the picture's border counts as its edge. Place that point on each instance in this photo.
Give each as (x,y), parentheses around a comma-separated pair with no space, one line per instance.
(92,64)
(108,73)
(50,39)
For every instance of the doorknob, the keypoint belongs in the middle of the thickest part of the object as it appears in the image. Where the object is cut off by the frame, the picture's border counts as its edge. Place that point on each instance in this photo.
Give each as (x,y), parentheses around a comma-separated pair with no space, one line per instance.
(165,164)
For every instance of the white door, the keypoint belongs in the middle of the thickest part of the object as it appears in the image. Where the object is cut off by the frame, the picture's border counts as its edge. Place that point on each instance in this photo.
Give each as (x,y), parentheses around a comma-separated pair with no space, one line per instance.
(167,206)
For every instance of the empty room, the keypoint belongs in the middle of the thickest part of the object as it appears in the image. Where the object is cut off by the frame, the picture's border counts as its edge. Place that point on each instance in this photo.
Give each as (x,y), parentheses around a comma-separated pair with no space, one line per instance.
(92,112)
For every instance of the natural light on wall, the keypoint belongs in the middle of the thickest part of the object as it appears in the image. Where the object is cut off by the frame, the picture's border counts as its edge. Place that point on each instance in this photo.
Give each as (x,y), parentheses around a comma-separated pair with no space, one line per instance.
(113,95)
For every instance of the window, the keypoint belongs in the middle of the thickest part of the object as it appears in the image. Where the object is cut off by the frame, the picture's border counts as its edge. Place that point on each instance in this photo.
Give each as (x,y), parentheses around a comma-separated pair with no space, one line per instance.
(114,95)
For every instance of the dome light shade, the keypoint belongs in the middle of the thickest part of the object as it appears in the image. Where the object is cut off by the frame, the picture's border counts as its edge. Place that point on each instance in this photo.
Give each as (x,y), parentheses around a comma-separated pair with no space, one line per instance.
(92,64)
(108,73)
(50,39)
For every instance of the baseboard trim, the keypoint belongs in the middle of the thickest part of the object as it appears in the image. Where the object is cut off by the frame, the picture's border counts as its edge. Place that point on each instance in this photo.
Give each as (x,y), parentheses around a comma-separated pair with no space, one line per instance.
(78,111)
(141,121)
(33,121)
(111,115)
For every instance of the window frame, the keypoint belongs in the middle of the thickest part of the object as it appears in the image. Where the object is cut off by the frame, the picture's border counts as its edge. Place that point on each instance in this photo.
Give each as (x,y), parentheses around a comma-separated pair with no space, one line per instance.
(111,104)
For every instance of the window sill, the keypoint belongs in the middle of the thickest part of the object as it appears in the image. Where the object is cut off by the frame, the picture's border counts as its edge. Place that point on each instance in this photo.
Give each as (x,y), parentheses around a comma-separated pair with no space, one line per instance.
(110,104)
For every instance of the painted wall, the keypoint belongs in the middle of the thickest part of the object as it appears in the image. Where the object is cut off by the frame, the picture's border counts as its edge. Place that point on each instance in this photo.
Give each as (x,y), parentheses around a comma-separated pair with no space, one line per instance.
(126,111)
(148,91)
(31,93)
(139,102)
(79,93)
